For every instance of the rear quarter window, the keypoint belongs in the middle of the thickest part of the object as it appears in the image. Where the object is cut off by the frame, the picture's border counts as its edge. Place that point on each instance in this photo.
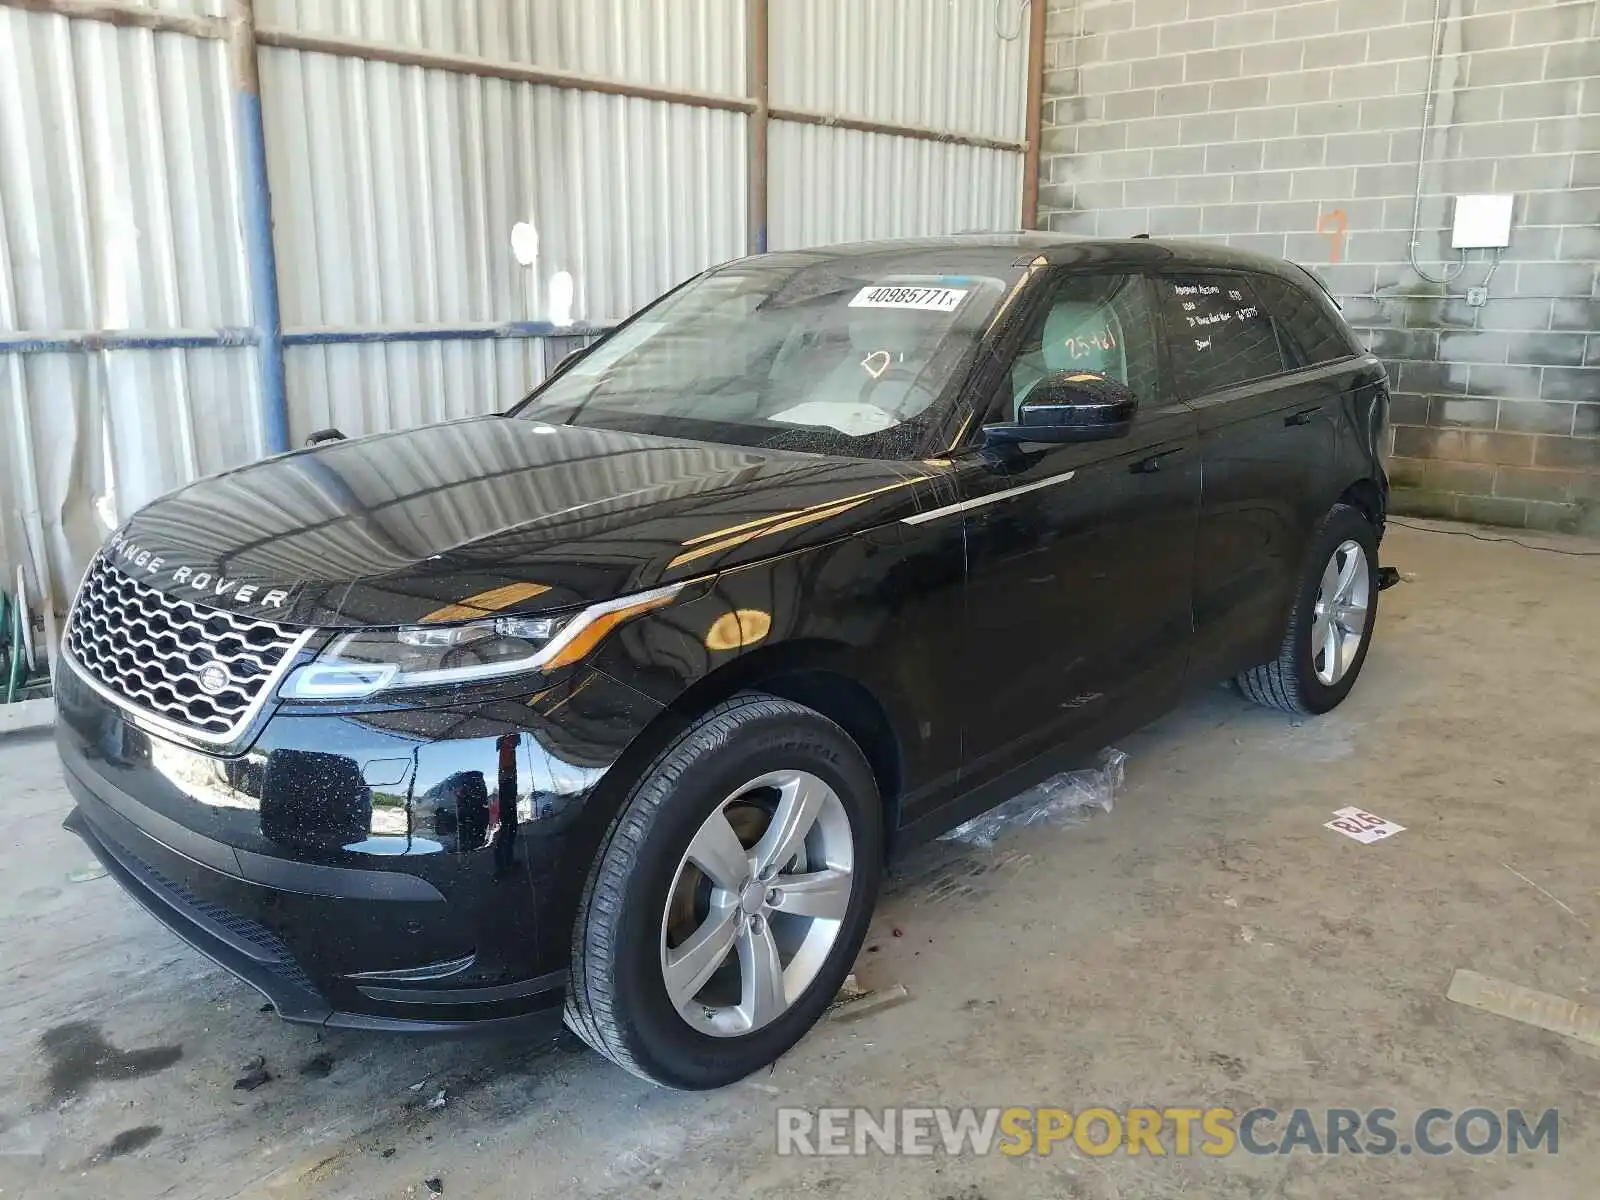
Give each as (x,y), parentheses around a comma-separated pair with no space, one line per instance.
(1305,320)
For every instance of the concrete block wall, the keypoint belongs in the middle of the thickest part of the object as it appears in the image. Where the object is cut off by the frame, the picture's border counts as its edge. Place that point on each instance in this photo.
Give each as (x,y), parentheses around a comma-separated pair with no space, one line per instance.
(1294,129)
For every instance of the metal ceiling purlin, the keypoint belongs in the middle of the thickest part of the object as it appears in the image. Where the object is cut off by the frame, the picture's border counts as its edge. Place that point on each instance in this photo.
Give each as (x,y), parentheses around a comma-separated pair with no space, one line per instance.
(489,68)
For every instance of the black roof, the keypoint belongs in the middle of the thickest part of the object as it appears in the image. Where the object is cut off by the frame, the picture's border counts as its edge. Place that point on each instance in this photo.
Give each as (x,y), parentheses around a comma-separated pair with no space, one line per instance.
(1060,249)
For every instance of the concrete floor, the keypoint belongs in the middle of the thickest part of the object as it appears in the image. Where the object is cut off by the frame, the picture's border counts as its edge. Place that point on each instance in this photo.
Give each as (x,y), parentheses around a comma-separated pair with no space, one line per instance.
(1207,942)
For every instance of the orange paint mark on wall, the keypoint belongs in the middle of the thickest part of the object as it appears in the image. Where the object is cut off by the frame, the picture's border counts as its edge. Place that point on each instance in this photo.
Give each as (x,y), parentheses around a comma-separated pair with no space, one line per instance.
(1333,225)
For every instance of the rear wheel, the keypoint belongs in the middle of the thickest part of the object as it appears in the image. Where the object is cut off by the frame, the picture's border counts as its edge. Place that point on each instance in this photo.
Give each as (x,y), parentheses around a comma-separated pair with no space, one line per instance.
(1330,626)
(730,898)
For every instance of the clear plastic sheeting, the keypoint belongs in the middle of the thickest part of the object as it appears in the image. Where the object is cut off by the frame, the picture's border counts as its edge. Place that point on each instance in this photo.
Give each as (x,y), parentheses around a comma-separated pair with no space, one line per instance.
(1064,799)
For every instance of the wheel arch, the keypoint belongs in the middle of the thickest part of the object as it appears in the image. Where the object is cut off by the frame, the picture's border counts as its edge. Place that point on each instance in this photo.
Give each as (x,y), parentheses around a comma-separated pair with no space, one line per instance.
(812,672)
(816,673)
(1367,496)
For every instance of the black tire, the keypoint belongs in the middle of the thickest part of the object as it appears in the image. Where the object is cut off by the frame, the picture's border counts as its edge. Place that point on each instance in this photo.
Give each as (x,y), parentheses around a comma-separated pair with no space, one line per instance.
(617,1000)
(1289,682)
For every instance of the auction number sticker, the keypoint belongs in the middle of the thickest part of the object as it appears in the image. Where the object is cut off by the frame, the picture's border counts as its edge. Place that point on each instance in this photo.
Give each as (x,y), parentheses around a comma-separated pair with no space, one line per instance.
(1363,826)
(895,295)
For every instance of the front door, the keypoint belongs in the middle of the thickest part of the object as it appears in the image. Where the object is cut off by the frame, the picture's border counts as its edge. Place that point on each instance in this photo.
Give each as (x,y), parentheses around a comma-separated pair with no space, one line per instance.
(1079,555)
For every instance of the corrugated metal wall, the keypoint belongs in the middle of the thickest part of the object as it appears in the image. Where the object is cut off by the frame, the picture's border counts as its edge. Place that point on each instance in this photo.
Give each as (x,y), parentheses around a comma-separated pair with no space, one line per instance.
(840,185)
(693,44)
(118,210)
(939,64)
(394,189)
(394,192)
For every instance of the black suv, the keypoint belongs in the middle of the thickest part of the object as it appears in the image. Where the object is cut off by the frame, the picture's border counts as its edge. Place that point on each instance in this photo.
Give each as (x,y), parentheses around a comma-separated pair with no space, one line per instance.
(620,700)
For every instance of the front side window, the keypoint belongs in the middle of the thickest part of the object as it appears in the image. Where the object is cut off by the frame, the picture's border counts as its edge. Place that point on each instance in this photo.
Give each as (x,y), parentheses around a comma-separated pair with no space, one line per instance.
(840,355)
(1220,334)
(1096,324)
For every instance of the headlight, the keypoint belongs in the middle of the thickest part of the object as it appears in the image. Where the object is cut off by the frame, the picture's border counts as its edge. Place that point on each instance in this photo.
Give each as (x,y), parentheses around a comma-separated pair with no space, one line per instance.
(361,664)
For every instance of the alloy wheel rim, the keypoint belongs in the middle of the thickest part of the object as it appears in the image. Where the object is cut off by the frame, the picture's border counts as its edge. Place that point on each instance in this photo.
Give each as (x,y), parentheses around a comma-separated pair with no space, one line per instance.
(757,903)
(1339,618)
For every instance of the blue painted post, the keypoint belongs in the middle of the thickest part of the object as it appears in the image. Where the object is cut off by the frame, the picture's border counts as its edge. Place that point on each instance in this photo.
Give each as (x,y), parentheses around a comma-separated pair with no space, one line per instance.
(261,257)
(756,72)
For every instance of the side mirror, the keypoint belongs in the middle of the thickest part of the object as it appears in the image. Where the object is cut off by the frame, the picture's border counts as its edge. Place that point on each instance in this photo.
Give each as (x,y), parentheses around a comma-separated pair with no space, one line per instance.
(1070,406)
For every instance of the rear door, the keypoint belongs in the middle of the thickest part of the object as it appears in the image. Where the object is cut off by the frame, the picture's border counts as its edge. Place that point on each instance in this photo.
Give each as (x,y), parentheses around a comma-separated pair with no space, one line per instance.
(1267,451)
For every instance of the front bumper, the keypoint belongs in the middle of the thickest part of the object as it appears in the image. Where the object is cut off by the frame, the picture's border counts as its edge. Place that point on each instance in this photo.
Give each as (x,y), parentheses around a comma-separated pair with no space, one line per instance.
(407,870)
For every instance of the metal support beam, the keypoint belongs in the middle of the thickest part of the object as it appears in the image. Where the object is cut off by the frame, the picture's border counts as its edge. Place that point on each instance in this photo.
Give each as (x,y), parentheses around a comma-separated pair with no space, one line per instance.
(92,340)
(1034,115)
(256,199)
(487,331)
(466,64)
(755,58)
(920,132)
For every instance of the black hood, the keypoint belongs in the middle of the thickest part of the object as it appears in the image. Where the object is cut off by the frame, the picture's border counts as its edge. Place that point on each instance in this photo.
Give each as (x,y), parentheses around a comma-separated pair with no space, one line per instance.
(491,514)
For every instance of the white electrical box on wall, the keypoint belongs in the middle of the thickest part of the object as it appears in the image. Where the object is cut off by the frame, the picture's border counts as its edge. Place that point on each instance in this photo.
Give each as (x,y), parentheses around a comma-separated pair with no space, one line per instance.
(1482,223)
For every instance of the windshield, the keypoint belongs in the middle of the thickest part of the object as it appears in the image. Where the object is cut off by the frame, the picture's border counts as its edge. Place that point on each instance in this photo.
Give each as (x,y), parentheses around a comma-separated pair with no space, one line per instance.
(835,355)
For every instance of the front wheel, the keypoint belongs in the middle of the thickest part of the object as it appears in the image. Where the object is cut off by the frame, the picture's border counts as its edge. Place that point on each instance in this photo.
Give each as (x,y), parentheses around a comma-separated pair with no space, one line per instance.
(1330,626)
(730,898)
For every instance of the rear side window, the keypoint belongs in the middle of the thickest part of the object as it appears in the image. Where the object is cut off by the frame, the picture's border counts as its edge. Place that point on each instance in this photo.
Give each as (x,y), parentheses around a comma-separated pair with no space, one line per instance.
(1314,335)
(1221,335)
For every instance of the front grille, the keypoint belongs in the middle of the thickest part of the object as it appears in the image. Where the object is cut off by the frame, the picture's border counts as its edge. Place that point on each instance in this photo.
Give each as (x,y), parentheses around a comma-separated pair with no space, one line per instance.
(150,649)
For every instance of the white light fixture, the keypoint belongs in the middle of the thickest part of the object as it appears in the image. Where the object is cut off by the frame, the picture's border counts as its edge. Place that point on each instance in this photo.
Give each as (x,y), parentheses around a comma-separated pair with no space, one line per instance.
(561,294)
(525,243)
(1482,223)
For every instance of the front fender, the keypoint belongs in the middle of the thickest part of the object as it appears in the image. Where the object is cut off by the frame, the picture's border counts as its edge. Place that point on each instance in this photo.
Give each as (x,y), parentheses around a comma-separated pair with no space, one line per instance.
(840,608)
